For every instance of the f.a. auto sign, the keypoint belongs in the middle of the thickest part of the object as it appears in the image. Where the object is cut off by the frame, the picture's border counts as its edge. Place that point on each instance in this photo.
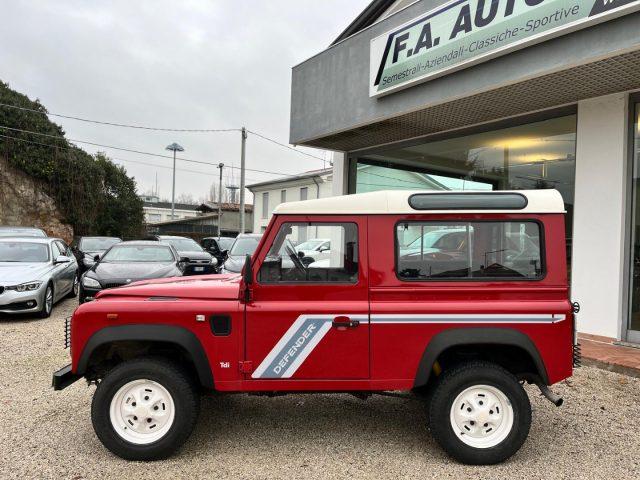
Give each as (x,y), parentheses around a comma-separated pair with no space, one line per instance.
(462,33)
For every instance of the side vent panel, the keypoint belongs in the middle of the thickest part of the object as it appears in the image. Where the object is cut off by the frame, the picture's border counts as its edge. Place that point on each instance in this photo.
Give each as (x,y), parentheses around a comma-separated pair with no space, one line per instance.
(220,325)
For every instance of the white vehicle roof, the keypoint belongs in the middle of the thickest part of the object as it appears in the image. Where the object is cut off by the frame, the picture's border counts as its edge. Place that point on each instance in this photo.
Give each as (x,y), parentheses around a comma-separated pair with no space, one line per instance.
(397,202)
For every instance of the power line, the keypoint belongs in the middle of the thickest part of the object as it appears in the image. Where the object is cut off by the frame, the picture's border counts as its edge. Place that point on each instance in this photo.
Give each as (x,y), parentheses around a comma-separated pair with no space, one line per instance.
(158,129)
(139,152)
(285,146)
(124,125)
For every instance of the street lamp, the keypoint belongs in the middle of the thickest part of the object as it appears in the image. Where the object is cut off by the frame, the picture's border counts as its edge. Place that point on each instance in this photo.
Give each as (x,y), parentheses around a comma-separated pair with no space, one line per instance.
(174,147)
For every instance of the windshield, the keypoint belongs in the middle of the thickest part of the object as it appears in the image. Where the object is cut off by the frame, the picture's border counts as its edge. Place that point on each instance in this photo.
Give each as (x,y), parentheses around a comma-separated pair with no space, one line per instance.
(21,232)
(310,245)
(225,243)
(183,244)
(244,246)
(97,244)
(24,252)
(138,253)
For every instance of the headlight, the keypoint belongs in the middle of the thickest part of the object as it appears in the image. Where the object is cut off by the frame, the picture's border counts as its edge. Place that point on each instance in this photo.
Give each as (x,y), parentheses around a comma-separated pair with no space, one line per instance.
(90,282)
(25,287)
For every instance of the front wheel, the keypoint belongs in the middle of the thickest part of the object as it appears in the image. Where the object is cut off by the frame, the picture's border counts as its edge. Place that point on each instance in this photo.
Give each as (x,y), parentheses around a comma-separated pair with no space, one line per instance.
(479,413)
(145,409)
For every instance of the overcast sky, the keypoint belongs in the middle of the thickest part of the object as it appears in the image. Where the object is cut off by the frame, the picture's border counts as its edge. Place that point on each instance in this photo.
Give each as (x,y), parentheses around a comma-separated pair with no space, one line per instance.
(177,64)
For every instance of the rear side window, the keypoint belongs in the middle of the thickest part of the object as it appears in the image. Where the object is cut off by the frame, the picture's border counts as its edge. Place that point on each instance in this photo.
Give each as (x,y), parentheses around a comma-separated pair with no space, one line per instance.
(459,250)
(291,260)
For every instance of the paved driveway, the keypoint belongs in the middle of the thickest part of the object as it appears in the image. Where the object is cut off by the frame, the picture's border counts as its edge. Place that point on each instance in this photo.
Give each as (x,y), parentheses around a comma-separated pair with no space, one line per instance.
(47,434)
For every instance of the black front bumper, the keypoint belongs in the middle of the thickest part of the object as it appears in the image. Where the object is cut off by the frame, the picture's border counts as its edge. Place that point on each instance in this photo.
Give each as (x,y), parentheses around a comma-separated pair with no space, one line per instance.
(63,378)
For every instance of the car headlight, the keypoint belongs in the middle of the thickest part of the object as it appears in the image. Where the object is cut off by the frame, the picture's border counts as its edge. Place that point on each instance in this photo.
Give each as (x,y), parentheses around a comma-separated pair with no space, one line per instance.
(25,287)
(90,282)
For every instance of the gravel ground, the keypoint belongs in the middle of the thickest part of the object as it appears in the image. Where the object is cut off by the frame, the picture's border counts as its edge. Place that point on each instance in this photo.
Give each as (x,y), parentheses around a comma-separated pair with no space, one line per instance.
(47,434)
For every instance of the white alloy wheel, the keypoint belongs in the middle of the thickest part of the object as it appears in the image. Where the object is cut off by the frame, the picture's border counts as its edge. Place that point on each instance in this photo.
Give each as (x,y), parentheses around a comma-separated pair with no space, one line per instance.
(142,412)
(481,416)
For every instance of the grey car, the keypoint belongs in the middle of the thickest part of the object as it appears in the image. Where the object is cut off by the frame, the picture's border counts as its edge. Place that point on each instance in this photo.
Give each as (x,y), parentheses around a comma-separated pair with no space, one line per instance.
(35,273)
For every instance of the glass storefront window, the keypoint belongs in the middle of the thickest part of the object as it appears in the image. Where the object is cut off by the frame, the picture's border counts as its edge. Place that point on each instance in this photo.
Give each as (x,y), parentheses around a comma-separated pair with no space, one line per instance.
(531,156)
(634,318)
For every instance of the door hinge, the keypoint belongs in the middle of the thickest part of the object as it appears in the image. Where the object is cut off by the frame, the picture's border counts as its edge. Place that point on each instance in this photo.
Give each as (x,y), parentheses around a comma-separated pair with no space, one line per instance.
(246,366)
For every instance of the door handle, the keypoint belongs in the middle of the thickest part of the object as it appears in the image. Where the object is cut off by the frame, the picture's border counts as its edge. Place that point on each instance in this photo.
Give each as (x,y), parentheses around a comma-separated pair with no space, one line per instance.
(342,322)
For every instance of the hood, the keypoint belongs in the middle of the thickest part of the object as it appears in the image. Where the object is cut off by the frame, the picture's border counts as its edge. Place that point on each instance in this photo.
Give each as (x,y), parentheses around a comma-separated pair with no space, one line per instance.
(204,287)
(13,273)
(195,255)
(134,271)
(234,264)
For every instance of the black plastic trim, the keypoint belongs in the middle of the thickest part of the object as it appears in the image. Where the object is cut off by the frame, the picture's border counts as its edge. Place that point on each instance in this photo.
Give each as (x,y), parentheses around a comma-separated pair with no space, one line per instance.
(152,333)
(476,336)
(63,378)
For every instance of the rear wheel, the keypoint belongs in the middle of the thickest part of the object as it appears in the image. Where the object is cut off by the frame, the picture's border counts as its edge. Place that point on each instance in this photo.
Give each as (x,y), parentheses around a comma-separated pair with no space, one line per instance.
(73,293)
(479,413)
(145,409)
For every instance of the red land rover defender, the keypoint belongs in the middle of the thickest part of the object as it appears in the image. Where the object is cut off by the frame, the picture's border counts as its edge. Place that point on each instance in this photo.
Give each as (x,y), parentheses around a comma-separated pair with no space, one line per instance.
(459,297)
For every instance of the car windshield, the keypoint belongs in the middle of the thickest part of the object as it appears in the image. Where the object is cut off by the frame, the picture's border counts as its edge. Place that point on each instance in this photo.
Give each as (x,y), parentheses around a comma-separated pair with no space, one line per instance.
(24,252)
(21,232)
(244,246)
(310,245)
(225,243)
(138,253)
(97,244)
(183,244)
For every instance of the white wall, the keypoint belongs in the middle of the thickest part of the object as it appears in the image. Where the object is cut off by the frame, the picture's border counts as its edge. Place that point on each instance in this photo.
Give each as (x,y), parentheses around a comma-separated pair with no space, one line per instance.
(293,195)
(600,215)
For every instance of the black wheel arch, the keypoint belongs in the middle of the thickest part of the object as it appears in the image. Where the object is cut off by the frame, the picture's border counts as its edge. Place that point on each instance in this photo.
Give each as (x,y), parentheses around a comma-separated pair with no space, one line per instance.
(165,334)
(477,336)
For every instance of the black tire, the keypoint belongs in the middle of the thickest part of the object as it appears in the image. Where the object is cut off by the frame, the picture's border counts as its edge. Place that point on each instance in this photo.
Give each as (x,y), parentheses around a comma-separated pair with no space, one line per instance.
(458,379)
(179,385)
(82,296)
(45,311)
(73,293)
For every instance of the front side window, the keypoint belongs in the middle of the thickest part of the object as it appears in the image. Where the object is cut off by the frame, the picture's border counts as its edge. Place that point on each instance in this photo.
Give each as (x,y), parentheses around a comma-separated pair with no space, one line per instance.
(469,250)
(286,262)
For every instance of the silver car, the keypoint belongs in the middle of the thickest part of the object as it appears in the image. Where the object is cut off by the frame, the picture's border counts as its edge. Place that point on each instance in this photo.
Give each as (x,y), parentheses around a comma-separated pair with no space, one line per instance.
(35,273)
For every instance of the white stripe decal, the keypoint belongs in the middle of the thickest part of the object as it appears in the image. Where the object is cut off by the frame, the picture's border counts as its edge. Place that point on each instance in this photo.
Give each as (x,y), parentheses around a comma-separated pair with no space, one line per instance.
(280,349)
(466,318)
(324,325)
(288,373)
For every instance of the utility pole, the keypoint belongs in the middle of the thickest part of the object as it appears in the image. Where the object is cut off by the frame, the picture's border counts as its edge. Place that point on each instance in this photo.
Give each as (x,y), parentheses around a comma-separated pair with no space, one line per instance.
(220,166)
(175,148)
(242,171)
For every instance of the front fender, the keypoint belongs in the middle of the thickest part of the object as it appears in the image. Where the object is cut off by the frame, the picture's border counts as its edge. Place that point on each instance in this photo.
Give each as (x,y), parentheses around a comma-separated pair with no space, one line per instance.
(171,334)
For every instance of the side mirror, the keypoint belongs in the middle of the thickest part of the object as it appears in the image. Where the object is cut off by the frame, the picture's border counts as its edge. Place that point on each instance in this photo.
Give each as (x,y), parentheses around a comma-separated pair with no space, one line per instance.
(62,259)
(224,253)
(300,255)
(185,259)
(247,271)
(96,258)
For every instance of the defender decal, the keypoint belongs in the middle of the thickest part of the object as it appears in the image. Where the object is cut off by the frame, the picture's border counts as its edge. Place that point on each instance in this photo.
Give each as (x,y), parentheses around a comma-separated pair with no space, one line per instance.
(296,345)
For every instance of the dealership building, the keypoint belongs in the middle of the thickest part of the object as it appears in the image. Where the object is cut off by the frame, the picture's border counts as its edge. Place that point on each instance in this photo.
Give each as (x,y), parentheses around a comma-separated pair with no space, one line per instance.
(496,95)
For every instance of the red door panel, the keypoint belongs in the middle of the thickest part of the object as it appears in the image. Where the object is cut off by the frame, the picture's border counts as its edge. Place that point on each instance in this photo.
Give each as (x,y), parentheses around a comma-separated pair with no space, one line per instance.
(290,330)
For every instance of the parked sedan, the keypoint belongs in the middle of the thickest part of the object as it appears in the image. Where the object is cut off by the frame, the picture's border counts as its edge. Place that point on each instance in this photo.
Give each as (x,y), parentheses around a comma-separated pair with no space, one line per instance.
(34,274)
(22,232)
(316,248)
(245,244)
(200,262)
(87,248)
(129,262)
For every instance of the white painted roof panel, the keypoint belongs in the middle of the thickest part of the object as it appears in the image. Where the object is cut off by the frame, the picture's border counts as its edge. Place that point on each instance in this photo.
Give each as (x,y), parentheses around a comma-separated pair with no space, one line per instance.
(397,202)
